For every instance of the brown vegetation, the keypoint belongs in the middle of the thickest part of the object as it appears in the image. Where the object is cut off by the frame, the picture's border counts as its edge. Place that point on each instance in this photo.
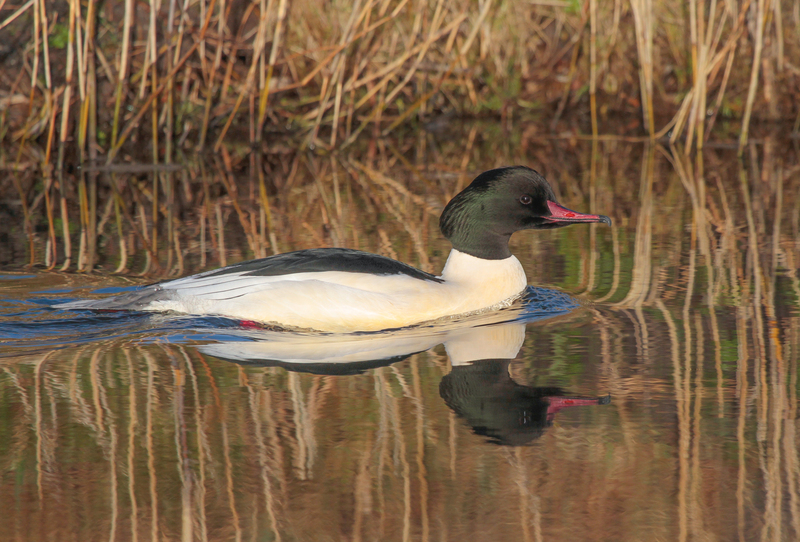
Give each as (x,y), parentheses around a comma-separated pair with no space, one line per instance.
(82,79)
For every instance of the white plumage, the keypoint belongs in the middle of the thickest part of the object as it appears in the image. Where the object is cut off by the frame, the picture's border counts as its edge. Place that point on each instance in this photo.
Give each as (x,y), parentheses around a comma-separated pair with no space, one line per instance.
(341,301)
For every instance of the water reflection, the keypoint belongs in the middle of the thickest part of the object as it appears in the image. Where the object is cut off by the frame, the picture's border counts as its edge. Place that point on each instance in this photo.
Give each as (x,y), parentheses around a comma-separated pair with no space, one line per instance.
(694,332)
(478,388)
(484,394)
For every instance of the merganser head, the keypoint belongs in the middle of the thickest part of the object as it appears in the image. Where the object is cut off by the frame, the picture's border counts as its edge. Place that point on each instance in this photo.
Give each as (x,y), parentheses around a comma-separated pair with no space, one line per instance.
(481,218)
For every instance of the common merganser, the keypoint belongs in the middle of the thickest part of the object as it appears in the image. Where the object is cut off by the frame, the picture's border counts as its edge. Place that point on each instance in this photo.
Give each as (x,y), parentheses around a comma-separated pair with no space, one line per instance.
(345,290)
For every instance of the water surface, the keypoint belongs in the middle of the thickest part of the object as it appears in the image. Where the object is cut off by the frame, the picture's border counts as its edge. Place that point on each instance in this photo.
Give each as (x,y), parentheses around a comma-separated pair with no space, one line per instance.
(682,321)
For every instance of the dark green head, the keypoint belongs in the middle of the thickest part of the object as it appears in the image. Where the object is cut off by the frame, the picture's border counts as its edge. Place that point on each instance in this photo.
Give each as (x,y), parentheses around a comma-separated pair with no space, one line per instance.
(481,218)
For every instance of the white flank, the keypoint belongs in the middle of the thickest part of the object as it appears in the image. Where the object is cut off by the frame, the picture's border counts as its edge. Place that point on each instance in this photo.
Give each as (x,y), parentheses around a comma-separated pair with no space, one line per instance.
(341,302)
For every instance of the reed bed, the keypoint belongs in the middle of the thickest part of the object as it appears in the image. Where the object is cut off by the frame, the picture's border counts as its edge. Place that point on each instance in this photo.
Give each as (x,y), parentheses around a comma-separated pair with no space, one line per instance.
(88,80)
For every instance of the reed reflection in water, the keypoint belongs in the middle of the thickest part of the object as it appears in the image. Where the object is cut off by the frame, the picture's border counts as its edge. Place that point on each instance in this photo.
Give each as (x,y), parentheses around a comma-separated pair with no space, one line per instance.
(694,332)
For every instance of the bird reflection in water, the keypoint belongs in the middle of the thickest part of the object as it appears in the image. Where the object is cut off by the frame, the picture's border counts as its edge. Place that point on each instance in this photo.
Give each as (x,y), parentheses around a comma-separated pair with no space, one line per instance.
(484,394)
(479,388)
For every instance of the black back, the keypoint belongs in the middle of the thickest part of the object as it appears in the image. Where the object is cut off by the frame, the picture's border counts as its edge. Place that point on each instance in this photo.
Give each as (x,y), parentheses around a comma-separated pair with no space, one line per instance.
(318,260)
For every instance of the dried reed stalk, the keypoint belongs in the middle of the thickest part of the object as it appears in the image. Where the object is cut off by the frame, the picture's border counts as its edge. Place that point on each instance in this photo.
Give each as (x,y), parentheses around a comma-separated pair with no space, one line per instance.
(760,22)
(643,21)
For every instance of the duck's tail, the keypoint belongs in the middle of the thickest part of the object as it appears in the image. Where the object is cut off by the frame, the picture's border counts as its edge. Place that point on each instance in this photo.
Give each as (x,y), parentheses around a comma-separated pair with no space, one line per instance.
(138,300)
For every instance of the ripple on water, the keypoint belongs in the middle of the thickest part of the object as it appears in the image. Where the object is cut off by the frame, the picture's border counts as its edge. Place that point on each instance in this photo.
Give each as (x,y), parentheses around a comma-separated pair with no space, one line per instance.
(31,319)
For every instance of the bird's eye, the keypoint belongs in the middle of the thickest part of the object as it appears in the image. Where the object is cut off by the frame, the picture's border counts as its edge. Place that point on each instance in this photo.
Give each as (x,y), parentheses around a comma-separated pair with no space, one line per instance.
(525,199)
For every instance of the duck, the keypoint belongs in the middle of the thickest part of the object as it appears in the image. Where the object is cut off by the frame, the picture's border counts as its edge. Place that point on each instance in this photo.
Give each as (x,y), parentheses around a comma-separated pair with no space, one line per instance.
(341,290)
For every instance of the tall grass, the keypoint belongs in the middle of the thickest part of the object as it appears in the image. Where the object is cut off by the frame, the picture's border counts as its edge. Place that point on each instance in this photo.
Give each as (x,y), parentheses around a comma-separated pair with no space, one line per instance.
(328,70)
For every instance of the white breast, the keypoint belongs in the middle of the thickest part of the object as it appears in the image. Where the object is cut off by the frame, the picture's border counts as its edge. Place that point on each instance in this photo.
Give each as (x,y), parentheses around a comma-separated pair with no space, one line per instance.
(475,283)
(341,302)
